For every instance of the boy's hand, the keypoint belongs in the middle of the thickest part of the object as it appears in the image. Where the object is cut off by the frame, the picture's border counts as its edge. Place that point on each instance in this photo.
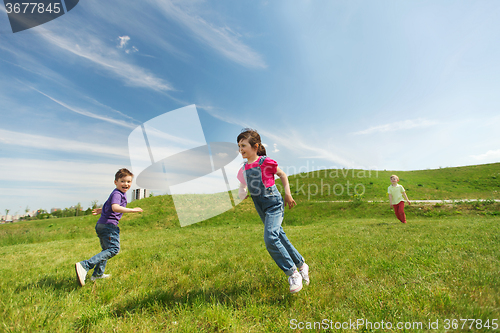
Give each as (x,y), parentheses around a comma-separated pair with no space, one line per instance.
(289,201)
(137,210)
(409,203)
(96,211)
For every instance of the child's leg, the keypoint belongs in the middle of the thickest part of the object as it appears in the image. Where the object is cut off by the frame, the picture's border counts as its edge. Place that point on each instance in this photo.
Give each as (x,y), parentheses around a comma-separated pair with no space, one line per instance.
(109,236)
(294,254)
(274,245)
(399,209)
(101,266)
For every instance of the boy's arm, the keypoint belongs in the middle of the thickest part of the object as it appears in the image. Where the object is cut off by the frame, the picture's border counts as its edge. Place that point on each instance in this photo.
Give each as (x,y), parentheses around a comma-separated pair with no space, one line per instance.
(406,197)
(96,211)
(390,199)
(119,209)
(288,194)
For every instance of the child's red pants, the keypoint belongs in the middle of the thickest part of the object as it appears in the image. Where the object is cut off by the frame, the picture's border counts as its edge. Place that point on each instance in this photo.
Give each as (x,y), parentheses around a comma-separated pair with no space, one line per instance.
(399,209)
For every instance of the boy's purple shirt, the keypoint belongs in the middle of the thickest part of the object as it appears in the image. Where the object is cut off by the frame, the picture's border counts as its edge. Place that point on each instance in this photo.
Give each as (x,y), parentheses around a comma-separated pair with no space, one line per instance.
(108,216)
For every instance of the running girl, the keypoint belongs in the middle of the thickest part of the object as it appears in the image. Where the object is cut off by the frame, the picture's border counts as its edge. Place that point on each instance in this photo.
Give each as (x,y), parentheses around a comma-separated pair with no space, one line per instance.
(257,175)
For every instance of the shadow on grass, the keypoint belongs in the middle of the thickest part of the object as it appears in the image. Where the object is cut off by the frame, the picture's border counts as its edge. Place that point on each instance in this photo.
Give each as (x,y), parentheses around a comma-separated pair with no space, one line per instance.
(231,297)
(62,284)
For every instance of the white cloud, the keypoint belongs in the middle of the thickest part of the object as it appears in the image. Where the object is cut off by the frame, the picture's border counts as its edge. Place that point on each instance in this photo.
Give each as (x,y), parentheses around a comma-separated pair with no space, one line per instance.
(123,41)
(398,126)
(289,139)
(57,172)
(110,60)
(490,155)
(89,114)
(58,144)
(276,148)
(46,184)
(221,39)
(133,49)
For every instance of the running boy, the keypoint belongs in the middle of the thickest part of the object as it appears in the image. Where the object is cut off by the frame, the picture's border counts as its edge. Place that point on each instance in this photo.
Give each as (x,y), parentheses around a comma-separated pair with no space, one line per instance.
(107,228)
(396,193)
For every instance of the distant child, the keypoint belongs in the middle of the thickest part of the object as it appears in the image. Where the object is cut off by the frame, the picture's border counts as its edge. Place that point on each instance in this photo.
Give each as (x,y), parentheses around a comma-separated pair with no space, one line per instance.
(107,228)
(257,175)
(396,194)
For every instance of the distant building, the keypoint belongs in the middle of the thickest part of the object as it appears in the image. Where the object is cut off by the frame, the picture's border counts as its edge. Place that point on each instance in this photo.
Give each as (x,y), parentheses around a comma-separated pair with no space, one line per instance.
(140,193)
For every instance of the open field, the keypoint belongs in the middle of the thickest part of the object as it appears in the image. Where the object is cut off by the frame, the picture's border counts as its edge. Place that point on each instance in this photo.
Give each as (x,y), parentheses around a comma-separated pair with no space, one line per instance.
(216,276)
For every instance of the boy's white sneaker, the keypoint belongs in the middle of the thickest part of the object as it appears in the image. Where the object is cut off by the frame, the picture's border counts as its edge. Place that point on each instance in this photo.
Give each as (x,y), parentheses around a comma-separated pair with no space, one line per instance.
(295,281)
(81,273)
(104,276)
(304,272)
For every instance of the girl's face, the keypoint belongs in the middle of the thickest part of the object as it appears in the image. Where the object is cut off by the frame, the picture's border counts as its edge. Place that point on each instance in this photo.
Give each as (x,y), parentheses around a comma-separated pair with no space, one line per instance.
(246,150)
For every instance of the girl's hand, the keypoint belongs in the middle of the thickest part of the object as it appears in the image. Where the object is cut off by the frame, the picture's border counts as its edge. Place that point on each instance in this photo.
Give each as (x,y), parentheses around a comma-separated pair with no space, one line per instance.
(289,201)
(96,211)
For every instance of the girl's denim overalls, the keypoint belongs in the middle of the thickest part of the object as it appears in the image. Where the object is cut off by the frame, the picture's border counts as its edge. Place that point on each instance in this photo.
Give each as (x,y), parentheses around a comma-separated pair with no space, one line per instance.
(269,205)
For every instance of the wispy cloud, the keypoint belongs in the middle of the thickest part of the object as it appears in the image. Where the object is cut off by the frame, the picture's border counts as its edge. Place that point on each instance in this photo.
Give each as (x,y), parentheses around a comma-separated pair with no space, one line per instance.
(289,139)
(222,39)
(398,126)
(490,155)
(109,59)
(89,114)
(63,145)
(57,172)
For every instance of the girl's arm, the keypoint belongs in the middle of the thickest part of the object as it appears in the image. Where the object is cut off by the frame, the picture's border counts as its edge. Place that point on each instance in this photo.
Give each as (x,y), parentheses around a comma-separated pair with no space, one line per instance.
(119,209)
(242,193)
(288,194)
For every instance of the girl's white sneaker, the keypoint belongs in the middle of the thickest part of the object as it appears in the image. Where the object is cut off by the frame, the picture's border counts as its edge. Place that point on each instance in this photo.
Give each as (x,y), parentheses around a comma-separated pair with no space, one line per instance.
(295,281)
(104,276)
(304,272)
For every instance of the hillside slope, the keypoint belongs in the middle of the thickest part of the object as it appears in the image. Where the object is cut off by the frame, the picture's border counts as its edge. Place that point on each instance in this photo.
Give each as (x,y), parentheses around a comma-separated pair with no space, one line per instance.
(469,182)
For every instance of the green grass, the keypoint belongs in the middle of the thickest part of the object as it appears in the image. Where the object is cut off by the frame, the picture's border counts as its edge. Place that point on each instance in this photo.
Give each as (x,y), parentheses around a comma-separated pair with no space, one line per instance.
(471,182)
(216,276)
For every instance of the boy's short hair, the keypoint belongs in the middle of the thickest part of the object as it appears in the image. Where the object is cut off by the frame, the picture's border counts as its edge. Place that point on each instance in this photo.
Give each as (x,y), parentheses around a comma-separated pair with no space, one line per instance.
(395,177)
(123,172)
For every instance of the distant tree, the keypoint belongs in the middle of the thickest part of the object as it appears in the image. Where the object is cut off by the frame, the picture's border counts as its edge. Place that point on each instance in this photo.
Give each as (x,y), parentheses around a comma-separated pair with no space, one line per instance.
(42,214)
(93,204)
(78,208)
(7,211)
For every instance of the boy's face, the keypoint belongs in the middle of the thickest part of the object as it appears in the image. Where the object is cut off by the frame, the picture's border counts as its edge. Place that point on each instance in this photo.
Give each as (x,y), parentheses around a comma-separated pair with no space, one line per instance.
(394,180)
(123,184)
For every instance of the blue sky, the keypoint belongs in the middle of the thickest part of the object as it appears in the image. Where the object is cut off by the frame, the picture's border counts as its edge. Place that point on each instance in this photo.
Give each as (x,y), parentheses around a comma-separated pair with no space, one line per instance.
(329,84)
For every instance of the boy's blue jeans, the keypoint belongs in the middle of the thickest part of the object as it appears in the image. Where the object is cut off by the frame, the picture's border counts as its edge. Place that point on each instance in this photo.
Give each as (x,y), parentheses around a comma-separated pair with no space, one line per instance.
(109,236)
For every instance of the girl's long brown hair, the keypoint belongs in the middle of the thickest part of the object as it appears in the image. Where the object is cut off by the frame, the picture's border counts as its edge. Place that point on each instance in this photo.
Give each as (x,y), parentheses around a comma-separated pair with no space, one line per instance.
(253,139)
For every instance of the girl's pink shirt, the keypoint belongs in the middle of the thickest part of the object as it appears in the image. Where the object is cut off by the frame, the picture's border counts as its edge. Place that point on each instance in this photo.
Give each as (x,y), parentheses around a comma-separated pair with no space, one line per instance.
(269,168)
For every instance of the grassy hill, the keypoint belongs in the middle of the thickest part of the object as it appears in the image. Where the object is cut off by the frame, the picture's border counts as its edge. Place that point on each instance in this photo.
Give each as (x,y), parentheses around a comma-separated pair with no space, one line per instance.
(470,182)
(216,276)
